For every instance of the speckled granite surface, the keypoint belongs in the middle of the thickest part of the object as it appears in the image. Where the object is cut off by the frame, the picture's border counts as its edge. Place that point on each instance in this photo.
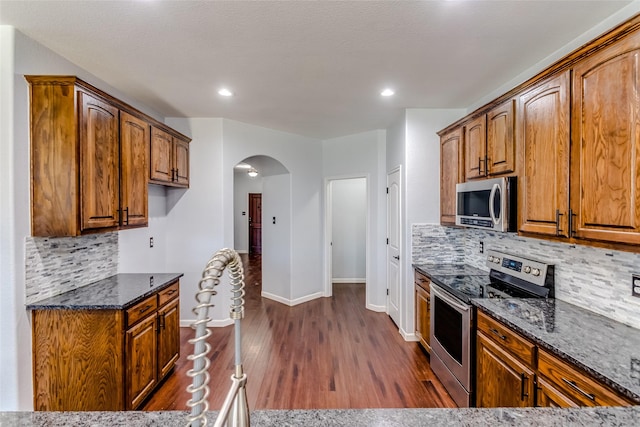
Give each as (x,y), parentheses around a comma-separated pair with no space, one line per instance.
(351,417)
(607,349)
(115,292)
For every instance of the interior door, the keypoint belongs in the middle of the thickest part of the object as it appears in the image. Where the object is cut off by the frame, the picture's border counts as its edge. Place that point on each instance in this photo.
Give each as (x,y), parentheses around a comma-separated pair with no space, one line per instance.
(255,223)
(393,245)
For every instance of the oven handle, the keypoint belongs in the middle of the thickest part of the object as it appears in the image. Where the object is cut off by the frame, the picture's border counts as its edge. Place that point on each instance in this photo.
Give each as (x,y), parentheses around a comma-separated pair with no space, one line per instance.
(492,197)
(436,290)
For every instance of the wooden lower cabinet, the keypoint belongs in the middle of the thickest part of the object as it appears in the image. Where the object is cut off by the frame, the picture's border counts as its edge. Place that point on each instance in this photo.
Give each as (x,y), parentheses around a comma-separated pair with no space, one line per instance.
(503,380)
(512,372)
(142,361)
(423,310)
(104,359)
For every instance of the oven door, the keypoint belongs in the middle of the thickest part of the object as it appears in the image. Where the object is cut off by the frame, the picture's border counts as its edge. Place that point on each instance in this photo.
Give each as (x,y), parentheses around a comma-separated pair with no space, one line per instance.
(451,322)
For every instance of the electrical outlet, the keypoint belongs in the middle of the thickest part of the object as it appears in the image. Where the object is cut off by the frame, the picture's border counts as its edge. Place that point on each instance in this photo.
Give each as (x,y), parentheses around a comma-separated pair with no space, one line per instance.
(481,247)
(635,285)
(150,242)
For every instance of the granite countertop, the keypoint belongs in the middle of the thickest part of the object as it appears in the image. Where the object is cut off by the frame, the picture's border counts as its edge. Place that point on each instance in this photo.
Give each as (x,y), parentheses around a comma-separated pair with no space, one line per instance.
(602,416)
(115,292)
(607,349)
(449,270)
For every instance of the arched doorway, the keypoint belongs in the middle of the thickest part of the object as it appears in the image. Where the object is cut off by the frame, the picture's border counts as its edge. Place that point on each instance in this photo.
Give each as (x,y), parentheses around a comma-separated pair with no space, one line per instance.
(262,186)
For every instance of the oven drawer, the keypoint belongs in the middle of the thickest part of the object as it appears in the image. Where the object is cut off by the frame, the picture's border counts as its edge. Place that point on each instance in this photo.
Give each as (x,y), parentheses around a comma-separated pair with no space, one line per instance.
(506,338)
(576,384)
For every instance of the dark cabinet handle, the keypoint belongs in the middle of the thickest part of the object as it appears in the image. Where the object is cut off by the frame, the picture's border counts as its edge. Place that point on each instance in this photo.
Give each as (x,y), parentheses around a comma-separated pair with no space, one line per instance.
(523,380)
(495,331)
(143,309)
(575,386)
(161,322)
(177,176)
(171,292)
(486,166)
(558,215)
(571,228)
(127,215)
(173,174)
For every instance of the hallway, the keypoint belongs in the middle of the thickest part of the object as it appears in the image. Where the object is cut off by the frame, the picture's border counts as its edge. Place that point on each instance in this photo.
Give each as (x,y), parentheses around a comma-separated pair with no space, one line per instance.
(326,353)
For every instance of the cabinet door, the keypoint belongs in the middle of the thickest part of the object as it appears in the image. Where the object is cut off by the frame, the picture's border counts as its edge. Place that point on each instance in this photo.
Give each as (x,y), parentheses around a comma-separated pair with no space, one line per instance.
(501,141)
(605,174)
(161,161)
(475,148)
(168,337)
(423,320)
(543,126)
(450,174)
(134,148)
(502,380)
(549,396)
(141,361)
(99,163)
(181,161)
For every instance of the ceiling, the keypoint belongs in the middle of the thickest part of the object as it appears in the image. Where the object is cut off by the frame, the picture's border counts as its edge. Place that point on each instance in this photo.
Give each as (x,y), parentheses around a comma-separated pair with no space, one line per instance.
(313,68)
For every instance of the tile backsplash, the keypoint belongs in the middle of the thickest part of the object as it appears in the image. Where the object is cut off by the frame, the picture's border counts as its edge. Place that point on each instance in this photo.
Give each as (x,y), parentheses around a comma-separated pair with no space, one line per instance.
(593,278)
(55,265)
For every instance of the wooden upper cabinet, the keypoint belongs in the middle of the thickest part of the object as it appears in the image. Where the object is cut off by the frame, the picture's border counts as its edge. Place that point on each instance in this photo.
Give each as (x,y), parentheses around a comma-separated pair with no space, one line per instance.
(605,189)
(100,163)
(78,168)
(450,174)
(161,155)
(543,127)
(90,159)
(501,141)
(475,149)
(134,146)
(169,159)
(181,156)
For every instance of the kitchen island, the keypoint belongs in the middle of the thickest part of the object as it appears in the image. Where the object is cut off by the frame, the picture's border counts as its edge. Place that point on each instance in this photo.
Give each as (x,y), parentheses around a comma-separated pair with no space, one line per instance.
(603,416)
(107,345)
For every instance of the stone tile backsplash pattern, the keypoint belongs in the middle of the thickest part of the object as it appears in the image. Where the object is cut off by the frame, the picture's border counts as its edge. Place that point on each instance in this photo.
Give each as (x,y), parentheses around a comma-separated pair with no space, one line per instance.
(55,265)
(593,278)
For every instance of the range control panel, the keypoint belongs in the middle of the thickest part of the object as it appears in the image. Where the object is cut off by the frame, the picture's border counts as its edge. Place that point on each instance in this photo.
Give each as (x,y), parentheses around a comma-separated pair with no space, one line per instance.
(531,270)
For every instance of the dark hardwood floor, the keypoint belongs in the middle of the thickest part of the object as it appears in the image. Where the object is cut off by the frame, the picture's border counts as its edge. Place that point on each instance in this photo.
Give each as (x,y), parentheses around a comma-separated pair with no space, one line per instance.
(324,354)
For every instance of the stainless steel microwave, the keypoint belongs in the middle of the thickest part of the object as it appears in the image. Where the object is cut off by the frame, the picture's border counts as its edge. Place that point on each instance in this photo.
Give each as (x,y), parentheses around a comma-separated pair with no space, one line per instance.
(489,204)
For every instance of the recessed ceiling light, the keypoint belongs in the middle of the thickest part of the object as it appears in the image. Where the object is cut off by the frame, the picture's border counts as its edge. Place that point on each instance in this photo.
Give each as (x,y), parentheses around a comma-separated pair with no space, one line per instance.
(387,92)
(225,92)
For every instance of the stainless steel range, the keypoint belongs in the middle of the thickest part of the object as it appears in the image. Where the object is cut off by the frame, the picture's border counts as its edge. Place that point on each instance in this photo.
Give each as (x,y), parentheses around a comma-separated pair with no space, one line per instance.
(453,316)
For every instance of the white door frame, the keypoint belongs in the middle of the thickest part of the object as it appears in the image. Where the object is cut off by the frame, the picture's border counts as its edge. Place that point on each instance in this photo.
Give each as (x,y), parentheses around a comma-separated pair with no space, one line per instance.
(328,223)
(401,261)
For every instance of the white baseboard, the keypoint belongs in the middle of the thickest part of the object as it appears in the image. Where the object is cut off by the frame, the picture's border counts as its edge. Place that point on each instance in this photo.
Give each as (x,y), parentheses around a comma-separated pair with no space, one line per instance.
(407,336)
(356,280)
(186,323)
(296,301)
(377,308)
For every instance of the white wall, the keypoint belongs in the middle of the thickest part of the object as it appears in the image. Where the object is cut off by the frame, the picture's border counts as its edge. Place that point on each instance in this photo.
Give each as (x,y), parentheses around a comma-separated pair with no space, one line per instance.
(349,231)
(276,238)
(243,184)
(364,155)
(421,182)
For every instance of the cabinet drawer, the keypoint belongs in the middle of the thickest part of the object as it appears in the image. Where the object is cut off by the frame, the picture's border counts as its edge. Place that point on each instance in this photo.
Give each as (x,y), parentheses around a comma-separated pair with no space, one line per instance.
(141,310)
(576,384)
(422,281)
(506,338)
(168,293)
